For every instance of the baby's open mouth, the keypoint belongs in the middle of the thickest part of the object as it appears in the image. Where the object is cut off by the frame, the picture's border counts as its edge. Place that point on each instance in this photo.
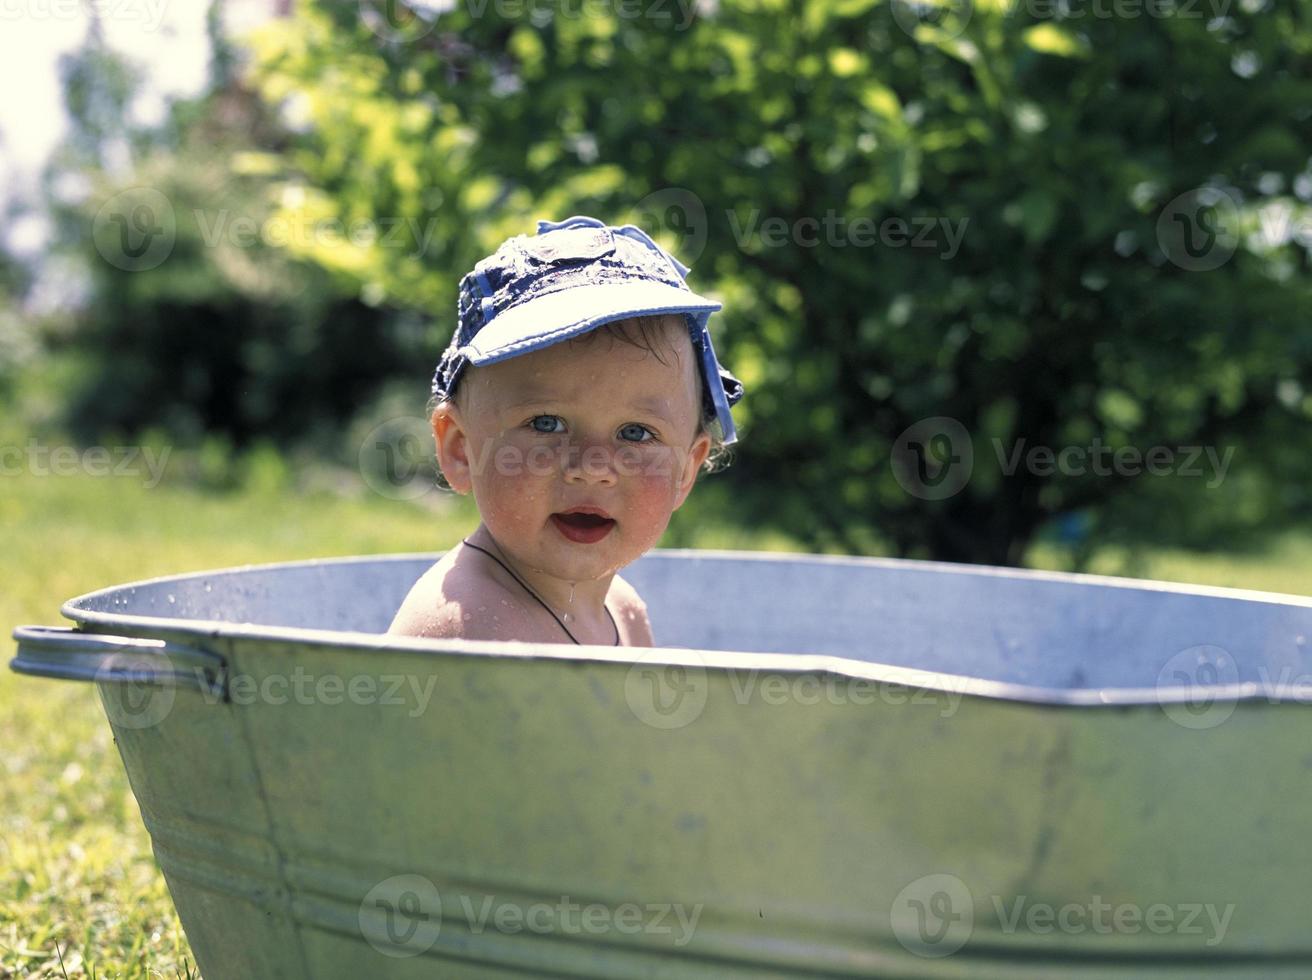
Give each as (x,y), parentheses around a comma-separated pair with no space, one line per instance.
(583,520)
(583,528)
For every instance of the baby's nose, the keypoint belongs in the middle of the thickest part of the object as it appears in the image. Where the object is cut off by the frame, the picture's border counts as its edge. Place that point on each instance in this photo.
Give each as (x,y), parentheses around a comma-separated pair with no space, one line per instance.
(590,462)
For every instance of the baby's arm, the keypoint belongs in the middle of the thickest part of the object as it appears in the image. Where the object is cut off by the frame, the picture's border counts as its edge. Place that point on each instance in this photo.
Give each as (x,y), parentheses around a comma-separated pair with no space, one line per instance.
(633,620)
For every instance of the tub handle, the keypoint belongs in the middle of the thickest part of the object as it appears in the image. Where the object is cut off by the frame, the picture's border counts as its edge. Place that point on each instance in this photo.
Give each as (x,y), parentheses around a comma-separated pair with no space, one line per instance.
(71,654)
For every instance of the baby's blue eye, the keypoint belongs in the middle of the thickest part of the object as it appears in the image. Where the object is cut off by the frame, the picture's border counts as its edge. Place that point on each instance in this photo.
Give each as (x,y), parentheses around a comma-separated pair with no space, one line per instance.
(533,422)
(632,426)
(640,428)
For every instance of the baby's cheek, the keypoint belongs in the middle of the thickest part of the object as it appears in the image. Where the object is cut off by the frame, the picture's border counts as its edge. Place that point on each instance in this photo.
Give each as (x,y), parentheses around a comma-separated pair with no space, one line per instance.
(517,490)
(651,466)
(653,488)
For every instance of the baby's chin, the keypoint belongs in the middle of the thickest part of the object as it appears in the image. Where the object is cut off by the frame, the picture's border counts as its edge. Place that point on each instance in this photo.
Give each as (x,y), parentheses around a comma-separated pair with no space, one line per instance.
(588,567)
(585,563)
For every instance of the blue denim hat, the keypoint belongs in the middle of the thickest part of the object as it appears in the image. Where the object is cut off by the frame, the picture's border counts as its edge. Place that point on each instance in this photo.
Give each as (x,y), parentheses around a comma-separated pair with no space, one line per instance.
(572,277)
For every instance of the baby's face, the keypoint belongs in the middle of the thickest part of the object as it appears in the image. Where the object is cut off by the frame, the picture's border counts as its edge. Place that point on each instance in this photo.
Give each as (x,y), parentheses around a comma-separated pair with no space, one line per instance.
(596,422)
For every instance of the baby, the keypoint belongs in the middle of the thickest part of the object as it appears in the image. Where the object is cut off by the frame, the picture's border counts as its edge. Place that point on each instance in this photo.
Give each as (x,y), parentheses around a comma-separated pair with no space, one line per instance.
(578,399)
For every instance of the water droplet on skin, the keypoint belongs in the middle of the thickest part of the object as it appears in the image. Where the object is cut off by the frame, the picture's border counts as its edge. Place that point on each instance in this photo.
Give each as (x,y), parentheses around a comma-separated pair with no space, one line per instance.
(571,593)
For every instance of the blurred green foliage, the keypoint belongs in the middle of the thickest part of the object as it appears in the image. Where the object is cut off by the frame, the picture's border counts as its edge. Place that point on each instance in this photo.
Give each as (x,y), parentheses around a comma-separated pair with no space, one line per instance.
(197,321)
(1054,138)
(17,346)
(1052,167)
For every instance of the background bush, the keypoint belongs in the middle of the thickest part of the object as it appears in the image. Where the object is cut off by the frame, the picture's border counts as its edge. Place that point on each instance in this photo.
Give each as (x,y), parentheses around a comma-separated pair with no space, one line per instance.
(1092,165)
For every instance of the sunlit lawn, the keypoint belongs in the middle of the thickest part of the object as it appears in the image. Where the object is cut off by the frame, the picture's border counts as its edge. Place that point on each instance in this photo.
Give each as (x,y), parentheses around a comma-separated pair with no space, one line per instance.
(75,863)
(76,871)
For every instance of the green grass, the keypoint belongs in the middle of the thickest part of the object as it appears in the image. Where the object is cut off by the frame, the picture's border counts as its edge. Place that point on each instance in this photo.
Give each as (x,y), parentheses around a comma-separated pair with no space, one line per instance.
(80,894)
(76,871)
(1284,567)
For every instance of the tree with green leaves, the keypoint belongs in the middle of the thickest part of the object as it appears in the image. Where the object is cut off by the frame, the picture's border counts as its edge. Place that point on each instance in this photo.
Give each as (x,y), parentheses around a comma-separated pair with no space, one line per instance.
(17,345)
(194,319)
(952,240)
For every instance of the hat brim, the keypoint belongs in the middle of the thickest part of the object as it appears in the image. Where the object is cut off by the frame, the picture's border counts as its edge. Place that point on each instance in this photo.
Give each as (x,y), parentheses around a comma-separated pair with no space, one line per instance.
(567,313)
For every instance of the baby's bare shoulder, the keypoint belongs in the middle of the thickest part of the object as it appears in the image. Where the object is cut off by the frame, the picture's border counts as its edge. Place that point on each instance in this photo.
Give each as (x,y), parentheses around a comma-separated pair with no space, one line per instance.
(455,600)
(634,621)
(451,600)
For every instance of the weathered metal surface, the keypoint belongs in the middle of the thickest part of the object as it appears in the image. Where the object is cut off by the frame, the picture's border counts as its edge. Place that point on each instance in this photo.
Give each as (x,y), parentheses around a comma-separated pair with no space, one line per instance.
(838,767)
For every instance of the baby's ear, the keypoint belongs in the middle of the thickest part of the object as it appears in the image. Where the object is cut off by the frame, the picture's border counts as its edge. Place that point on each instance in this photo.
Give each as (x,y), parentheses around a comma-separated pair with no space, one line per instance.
(692,464)
(452,448)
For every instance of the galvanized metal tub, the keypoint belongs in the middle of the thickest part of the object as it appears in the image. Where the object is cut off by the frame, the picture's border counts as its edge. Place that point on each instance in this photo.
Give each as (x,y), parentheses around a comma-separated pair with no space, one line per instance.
(836,767)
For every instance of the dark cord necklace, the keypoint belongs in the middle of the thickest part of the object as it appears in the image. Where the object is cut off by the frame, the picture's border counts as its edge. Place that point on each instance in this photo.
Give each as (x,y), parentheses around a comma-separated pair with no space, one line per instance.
(539,598)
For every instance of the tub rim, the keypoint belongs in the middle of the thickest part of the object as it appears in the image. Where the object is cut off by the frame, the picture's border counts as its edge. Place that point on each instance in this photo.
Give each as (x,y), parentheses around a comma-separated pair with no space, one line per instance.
(868,561)
(960,685)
